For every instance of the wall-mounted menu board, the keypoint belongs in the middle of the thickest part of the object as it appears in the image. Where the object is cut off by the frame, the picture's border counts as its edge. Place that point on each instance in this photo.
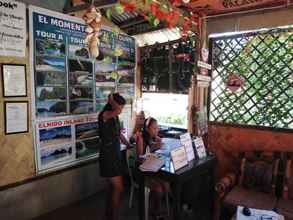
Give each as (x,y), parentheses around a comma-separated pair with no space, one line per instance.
(70,85)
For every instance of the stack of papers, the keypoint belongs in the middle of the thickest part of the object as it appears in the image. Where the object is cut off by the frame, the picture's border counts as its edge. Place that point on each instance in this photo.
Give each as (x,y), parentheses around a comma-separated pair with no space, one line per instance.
(152,164)
(258,214)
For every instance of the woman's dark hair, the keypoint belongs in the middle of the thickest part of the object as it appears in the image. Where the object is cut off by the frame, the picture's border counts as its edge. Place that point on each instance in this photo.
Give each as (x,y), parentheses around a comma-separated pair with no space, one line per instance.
(117,98)
(148,122)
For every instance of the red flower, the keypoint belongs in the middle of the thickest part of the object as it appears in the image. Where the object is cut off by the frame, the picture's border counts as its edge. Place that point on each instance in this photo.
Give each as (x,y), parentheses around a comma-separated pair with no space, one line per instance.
(154,8)
(128,7)
(160,14)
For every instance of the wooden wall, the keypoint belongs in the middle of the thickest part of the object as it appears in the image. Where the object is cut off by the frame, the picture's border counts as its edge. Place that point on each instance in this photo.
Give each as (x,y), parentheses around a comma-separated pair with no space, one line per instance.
(16,151)
(227,141)
(17,155)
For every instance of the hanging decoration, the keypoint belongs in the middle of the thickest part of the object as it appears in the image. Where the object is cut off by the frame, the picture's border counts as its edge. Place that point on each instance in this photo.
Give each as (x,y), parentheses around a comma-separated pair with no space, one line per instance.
(235,82)
(93,20)
(164,11)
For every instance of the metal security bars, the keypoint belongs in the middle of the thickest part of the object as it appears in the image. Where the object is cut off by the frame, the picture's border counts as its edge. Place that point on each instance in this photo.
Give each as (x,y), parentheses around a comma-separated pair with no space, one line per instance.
(264,62)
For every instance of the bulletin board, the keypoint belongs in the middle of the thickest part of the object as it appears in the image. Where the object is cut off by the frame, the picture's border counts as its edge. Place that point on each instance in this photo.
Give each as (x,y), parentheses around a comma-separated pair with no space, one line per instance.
(70,87)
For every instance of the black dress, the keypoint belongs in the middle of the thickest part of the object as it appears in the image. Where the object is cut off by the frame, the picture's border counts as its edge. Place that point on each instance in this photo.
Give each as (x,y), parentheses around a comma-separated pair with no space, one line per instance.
(111,163)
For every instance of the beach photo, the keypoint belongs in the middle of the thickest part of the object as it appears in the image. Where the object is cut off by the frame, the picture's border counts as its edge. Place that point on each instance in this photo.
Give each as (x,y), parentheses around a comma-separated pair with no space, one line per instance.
(50,78)
(55,136)
(126,91)
(50,93)
(81,93)
(48,63)
(124,63)
(105,79)
(126,77)
(56,155)
(107,65)
(50,108)
(81,78)
(102,96)
(87,130)
(78,50)
(80,65)
(50,47)
(81,107)
(88,147)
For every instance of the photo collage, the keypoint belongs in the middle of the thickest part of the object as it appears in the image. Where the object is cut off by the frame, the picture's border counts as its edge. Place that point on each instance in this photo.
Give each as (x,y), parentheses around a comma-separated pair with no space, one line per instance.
(115,67)
(50,80)
(81,80)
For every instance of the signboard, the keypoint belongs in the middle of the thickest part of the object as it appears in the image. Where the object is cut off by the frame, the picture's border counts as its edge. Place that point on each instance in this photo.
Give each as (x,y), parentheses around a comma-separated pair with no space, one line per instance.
(204,65)
(12,28)
(223,5)
(200,148)
(65,140)
(186,141)
(179,158)
(70,87)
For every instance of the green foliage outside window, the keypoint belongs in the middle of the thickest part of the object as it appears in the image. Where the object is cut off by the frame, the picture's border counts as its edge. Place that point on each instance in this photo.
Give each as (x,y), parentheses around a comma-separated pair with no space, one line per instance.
(265,61)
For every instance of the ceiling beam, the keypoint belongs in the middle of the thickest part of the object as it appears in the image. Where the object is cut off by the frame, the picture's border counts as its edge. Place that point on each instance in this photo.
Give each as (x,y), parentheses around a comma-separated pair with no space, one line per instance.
(132,22)
(143,28)
(69,8)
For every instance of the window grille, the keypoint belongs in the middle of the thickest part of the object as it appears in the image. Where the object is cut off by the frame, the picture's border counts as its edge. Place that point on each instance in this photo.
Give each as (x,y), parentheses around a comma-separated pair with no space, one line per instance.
(264,60)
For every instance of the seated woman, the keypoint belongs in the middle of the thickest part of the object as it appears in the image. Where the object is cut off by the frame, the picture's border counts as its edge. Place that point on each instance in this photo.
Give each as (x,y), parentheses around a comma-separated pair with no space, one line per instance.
(148,139)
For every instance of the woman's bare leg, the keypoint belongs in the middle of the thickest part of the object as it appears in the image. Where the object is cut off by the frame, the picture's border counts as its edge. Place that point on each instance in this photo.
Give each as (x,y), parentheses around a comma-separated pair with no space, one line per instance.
(117,189)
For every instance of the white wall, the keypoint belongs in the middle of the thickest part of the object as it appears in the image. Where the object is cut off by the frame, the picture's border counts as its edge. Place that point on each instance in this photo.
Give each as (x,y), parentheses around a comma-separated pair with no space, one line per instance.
(55,5)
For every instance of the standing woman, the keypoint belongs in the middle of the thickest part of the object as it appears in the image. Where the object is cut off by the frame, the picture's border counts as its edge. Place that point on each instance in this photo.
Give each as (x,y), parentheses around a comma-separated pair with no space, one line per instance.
(111,162)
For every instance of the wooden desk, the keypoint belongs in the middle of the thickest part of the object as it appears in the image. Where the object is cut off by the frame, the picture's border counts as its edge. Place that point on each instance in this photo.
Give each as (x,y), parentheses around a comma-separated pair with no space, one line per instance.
(196,168)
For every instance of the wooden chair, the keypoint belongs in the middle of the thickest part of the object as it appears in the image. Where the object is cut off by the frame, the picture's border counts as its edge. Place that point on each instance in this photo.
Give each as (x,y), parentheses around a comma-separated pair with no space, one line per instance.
(253,185)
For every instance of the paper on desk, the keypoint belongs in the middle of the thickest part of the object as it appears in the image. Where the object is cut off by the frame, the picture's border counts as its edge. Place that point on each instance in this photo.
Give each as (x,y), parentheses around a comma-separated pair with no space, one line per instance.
(152,164)
(258,214)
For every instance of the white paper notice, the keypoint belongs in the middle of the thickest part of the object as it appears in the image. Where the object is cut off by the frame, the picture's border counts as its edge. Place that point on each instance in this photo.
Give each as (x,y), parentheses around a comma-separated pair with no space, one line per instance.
(12,28)
(14,80)
(258,214)
(200,148)
(179,158)
(16,117)
(187,143)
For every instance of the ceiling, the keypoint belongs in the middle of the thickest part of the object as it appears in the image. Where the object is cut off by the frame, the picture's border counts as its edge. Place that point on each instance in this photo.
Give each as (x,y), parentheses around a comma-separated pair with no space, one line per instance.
(133,23)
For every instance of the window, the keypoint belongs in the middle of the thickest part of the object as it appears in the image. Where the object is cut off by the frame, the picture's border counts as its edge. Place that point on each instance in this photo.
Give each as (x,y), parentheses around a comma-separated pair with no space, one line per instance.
(252,78)
(169,109)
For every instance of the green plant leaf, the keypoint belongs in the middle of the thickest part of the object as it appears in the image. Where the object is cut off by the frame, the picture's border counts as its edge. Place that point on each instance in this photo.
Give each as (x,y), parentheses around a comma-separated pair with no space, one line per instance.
(109,13)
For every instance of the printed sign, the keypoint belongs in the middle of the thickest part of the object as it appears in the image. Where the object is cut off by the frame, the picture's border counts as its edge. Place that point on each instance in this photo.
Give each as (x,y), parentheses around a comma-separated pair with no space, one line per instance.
(227,4)
(235,82)
(65,140)
(69,86)
(12,28)
(204,65)
(200,148)
(186,141)
(179,158)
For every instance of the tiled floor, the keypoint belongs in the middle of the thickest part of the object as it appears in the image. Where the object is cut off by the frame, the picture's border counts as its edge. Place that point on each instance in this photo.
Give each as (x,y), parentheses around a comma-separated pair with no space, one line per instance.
(91,208)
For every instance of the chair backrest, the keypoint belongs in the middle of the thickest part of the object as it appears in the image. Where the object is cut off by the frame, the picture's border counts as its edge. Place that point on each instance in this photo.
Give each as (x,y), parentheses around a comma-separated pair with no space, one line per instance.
(259,171)
(131,159)
(288,177)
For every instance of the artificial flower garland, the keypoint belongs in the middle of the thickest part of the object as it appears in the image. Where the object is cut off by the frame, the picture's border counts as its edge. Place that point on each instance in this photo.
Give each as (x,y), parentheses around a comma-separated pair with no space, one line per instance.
(156,12)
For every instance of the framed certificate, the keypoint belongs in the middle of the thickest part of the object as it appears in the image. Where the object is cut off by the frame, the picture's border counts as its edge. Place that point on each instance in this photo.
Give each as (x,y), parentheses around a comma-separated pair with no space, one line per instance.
(14,80)
(16,117)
